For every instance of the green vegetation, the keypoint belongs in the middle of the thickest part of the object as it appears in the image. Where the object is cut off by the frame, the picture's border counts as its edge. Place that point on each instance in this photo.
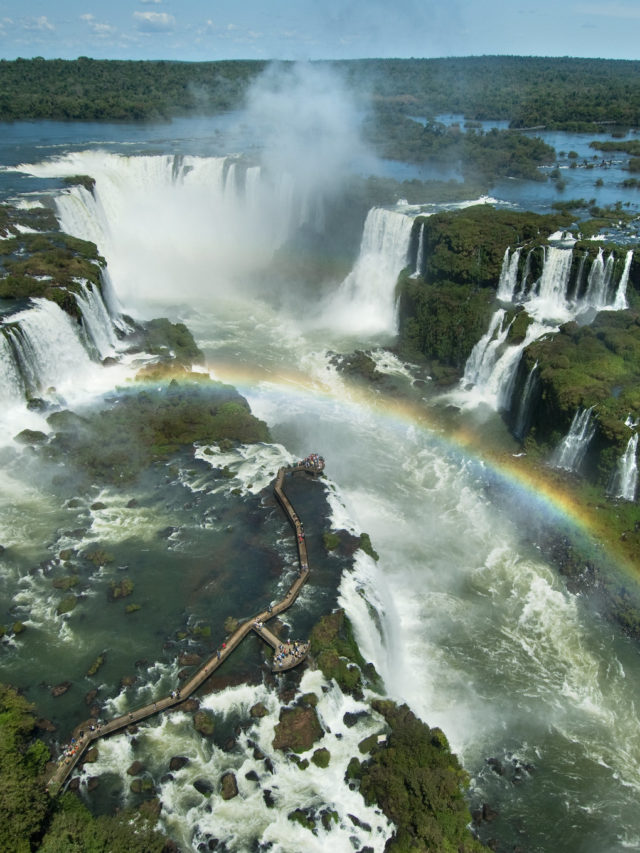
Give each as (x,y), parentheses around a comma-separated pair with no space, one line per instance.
(418,783)
(142,424)
(367,547)
(121,589)
(31,820)
(298,729)
(330,540)
(336,652)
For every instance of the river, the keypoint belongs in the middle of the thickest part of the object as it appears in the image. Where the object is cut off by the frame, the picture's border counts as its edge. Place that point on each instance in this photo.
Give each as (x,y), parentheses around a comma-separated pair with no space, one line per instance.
(461,615)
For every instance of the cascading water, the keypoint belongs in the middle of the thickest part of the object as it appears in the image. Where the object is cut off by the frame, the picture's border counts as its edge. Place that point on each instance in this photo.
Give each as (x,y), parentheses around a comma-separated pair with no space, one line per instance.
(485,353)
(420,253)
(599,281)
(365,302)
(524,406)
(509,275)
(46,348)
(620,302)
(517,666)
(573,447)
(625,481)
(96,320)
(11,383)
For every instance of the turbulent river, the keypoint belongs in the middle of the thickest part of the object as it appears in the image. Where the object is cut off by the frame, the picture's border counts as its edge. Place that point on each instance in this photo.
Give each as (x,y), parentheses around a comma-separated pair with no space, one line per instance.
(461,616)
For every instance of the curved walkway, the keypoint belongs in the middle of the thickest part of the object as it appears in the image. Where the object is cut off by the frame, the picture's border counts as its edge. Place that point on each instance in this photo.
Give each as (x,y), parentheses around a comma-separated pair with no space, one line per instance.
(289,654)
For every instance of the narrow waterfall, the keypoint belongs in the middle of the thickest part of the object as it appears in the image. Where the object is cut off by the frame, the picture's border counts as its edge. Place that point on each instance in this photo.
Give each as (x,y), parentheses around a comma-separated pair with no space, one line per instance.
(524,407)
(599,281)
(625,481)
(45,347)
(620,302)
(420,253)
(366,300)
(484,355)
(509,275)
(11,384)
(96,321)
(573,447)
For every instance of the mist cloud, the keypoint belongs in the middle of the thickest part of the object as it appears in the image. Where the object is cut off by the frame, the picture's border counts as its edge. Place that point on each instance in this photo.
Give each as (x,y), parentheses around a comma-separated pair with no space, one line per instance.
(308,124)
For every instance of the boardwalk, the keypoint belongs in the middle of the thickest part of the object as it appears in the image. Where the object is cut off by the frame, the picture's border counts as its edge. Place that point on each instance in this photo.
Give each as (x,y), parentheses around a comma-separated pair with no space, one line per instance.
(287,655)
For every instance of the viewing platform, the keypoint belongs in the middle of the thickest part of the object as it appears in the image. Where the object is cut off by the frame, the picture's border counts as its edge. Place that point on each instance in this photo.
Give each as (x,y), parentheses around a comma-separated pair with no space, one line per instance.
(287,654)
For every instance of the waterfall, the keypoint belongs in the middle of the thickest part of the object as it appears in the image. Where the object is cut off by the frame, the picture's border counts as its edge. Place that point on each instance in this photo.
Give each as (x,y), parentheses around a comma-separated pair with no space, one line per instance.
(485,353)
(620,302)
(420,253)
(551,288)
(599,281)
(365,301)
(509,275)
(45,347)
(524,407)
(165,223)
(96,321)
(571,450)
(625,481)
(11,384)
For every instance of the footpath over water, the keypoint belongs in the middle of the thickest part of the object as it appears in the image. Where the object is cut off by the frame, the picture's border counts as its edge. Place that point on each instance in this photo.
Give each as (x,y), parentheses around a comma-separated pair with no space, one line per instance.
(287,655)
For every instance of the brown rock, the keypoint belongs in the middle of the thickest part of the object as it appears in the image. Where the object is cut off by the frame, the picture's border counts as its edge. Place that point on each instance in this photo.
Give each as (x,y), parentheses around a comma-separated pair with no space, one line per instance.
(61,689)
(92,783)
(178,762)
(187,659)
(45,725)
(229,786)
(90,698)
(136,768)
(298,729)
(258,710)
(91,755)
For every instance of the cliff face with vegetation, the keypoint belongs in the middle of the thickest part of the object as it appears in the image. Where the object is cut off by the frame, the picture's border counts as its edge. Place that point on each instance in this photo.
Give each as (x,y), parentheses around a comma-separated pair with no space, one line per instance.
(445,310)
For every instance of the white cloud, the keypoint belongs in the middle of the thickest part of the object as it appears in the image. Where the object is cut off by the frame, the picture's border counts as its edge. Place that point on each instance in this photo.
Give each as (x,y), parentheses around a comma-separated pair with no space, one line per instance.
(152,22)
(98,28)
(157,2)
(41,24)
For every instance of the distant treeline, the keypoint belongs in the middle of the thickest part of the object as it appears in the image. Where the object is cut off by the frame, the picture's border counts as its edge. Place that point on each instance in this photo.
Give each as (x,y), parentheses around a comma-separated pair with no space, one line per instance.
(577,94)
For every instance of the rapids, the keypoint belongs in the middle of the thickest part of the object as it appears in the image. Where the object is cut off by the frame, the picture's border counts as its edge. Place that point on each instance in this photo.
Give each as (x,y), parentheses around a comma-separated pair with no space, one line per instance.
(461,616)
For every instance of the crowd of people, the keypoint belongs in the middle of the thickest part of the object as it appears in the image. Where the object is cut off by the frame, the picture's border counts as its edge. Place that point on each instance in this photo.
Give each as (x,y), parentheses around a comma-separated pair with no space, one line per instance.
(313,462)
(289,653)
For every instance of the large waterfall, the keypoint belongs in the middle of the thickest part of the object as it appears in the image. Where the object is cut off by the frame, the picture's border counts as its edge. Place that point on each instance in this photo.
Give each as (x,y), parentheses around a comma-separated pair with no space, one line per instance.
(224,207)
(365,302)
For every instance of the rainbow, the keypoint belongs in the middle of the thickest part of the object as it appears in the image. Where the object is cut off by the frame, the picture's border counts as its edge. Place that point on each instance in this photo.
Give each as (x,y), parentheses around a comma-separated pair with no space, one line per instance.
(542,489)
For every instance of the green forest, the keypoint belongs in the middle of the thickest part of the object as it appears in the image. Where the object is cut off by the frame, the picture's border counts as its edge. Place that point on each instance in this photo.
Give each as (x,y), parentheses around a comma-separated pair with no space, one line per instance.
(563,93)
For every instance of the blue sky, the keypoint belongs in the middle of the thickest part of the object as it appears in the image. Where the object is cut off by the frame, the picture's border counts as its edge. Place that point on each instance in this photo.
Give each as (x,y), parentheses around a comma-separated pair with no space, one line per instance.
(317,29)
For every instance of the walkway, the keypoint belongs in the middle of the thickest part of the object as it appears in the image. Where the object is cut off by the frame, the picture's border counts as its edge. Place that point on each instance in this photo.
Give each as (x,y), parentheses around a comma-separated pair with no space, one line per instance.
(287,655)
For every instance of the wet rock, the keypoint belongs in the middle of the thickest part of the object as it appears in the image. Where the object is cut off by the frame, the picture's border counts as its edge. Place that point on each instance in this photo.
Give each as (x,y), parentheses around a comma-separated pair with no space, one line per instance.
(352,717)
(298,729)
(45,725)
(98,505)
(167,777)
(92,783)
(321,757)
(30,436)
(360,824)
(229,786)
(60,689)
(268,765)
(188,706)
(496,765)
(142,786)
(74,784)
(252,776)
(128,681)
(141,663)
(258,710)
(178,762)
(268,798)
(229,744)
(136,768)
(203,723)
(189,659)
(66,554)
(90,697)
(132,504)
(488,813)
(258,754)
(203,786)
(91,755)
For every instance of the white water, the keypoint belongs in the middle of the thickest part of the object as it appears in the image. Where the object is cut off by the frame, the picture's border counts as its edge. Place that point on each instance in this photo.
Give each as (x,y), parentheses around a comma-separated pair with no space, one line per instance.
(475,633)
(96,320)
(365,301)
(573,447)
(626,477)
(525,403)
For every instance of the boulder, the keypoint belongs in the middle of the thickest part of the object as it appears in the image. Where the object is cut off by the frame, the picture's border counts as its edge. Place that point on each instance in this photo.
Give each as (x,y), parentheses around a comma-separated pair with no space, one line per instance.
(258,710)
(60,689)
(229,786)
(135,769)
(203,786)
(178,762)
(298,729)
